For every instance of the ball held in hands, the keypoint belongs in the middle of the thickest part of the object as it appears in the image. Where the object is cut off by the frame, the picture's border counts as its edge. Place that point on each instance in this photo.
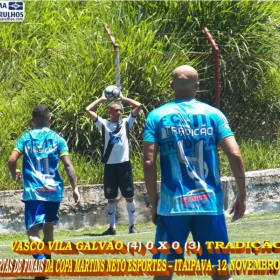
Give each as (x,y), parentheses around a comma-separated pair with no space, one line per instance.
(112,92)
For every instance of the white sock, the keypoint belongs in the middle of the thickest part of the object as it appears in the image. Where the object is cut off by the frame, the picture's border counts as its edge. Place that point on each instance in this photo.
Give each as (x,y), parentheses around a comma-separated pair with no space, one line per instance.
(111,208)
(130,206)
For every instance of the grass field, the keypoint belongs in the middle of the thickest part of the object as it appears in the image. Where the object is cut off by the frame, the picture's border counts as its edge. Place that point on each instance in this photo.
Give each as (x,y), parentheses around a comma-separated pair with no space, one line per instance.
(250,229)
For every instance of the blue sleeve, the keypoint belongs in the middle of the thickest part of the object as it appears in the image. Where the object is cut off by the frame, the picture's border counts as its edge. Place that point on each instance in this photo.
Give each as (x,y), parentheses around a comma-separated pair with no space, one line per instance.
(62,146)
(19,144)
(223,127)
(150,130)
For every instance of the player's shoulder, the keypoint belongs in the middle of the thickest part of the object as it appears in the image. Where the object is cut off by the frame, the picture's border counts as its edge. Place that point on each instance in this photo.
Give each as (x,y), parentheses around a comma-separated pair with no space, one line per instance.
(101,120)
(28,134)
(128,117)
(161,110)
(208,109)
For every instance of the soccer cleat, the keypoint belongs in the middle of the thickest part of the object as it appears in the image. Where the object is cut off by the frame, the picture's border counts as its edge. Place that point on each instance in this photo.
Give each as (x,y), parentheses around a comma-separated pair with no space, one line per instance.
(132,229)
(109,231)
(40,278)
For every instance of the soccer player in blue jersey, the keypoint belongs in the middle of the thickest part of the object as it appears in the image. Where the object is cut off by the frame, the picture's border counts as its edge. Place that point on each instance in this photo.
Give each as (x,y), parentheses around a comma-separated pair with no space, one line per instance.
(187,132)
(42,185)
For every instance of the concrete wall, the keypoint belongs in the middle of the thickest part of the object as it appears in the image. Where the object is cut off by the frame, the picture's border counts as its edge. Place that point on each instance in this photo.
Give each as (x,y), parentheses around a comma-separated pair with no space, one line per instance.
(263,196)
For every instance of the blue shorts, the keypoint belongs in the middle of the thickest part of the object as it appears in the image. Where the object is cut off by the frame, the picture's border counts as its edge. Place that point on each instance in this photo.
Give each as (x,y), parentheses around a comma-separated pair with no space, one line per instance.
(202,227)
(40,212)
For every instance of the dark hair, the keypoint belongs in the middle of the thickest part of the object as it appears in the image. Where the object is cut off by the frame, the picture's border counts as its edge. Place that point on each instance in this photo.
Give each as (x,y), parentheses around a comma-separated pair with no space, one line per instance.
(40,111)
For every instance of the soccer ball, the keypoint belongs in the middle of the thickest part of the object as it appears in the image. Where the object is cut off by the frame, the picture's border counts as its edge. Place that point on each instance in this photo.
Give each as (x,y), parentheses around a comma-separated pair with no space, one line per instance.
(112,92)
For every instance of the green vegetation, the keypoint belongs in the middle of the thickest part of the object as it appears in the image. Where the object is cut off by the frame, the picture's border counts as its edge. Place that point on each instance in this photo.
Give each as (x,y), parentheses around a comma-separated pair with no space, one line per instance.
(61,56)
(257,155)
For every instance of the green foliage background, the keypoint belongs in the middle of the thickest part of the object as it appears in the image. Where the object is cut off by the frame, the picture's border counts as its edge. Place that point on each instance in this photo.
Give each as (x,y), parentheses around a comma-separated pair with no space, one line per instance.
(61,56)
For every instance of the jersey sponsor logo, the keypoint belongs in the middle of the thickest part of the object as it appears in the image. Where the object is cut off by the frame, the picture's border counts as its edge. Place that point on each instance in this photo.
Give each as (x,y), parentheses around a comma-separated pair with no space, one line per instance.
(114,139)
(194,198)
(46,191)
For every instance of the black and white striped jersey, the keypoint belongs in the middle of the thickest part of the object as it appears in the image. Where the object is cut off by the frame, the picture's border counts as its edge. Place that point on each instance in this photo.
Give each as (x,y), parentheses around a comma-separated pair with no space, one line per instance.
(115,138)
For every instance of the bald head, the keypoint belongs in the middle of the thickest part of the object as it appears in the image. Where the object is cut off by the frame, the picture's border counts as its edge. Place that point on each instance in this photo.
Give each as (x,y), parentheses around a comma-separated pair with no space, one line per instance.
(185,81)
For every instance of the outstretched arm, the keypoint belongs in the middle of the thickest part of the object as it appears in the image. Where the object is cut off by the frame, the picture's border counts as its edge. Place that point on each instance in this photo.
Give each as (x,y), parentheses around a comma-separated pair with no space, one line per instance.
(70,172)
(232,151)
(92,106)
(135,104)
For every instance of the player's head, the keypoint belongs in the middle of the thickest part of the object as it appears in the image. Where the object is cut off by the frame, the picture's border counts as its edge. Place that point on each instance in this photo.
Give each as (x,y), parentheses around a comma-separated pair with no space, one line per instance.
(115,111)
(184,81)
(41,115)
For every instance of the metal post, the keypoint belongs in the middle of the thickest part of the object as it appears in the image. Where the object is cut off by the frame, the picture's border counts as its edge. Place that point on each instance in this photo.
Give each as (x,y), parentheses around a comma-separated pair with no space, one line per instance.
(217,67)
(117,58)
(217,76)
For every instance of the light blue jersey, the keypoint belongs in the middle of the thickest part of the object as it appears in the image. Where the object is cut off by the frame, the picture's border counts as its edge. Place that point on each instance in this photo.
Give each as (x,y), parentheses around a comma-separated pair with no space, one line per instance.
(41,149)
(188,132)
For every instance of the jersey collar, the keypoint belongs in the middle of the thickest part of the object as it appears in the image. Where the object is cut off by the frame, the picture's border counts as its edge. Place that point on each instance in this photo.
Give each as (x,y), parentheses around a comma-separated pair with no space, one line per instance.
(188,99)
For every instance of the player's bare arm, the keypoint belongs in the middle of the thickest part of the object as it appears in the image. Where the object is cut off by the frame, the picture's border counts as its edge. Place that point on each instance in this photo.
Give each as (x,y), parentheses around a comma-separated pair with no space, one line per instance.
(71,175)
(137,106)
(150,174)
(12,165)
(232,151)
(92,107)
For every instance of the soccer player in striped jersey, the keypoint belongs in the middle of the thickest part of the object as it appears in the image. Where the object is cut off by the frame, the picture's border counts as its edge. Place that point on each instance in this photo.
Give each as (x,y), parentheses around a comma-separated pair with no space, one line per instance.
(117,166)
